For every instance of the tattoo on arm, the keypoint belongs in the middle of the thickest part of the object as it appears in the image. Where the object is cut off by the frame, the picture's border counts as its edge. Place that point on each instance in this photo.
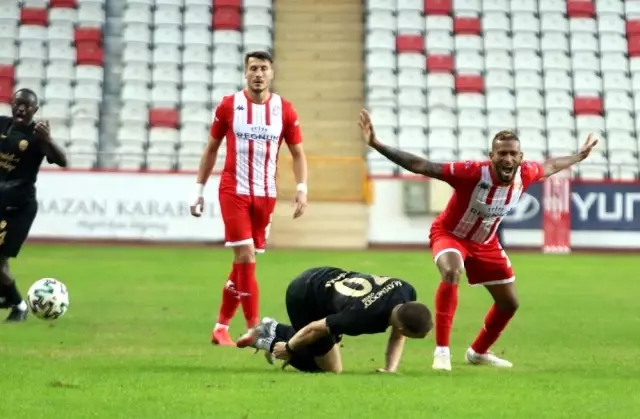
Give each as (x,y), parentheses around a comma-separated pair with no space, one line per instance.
(411,162)
(557,164)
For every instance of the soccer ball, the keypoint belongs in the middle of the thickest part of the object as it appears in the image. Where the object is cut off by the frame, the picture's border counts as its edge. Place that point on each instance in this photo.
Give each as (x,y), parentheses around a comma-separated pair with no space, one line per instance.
(48,298)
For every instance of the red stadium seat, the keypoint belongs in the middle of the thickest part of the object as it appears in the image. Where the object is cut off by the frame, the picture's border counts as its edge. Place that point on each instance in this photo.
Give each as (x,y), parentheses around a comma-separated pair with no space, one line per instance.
(467,26)
(6,90)
(88,35)
(469,84)
(69,4)
(633,44)
(89,53)
(227,3)
(410,43)
(587,106)
(163,117)
(581,8)
(227,18)
(633,27)
(437,7)
(7,72)
(440,63)
(34,16)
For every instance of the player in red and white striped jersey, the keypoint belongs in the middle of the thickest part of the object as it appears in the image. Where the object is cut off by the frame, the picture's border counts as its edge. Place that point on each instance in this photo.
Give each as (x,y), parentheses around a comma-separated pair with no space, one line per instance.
(254,122)
(464,237)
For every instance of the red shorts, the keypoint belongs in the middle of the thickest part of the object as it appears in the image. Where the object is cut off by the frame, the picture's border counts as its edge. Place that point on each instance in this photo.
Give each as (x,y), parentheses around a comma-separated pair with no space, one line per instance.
(246,219)
(485,264)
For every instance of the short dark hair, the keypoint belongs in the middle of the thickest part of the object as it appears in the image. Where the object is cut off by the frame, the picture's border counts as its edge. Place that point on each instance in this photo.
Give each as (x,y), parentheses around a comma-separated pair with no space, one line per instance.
(30,92)
(415,318)
(505,135)
(260,55)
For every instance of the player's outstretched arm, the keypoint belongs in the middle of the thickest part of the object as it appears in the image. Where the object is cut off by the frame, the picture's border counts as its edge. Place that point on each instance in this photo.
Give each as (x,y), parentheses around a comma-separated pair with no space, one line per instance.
(406,160)
(558,164)
(395,347)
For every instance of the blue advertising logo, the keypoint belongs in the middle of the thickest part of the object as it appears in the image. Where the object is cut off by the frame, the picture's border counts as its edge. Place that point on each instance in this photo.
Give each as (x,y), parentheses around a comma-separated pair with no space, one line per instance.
(604,206)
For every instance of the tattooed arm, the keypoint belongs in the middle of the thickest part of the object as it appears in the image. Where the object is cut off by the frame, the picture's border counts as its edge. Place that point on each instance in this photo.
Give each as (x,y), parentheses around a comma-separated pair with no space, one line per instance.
(555,165)
(408,161)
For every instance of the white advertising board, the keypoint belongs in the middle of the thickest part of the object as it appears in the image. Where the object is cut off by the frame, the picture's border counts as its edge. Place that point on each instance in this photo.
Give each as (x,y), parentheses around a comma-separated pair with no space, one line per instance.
(389,225)
(124,206)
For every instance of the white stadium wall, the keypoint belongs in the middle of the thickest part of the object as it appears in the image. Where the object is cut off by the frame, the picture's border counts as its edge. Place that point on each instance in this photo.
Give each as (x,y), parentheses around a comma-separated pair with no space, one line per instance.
(124,206)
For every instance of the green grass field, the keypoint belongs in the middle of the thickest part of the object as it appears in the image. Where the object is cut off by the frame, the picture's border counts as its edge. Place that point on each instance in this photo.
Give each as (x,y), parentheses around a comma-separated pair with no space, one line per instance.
(135,343)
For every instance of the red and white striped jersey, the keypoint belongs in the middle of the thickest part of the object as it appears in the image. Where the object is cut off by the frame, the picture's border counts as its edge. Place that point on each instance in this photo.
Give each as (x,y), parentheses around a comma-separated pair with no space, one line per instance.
(254,133)
(479,201)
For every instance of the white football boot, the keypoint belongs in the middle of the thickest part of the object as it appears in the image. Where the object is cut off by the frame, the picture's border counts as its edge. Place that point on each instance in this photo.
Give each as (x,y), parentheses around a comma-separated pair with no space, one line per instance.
(442,359)
(474,358)
(260,338)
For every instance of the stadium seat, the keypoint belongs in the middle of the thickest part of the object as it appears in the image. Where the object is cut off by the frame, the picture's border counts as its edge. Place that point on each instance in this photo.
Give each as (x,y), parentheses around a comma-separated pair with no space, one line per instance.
(438,7)
(164,118)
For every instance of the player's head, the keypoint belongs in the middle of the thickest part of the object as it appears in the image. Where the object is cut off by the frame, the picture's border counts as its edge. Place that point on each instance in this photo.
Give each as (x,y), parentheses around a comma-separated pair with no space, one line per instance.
(258,71)
(413,319)
(505,155)
(24,105)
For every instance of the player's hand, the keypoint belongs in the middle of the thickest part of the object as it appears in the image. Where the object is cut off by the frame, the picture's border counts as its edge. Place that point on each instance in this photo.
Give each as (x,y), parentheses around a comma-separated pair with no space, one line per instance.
(588,145)
(280,351)
(43,130)
(198,206)
(368,133)
(300,201)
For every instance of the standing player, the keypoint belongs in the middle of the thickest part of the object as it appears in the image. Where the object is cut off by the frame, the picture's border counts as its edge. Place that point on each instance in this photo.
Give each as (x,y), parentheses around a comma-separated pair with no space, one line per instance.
(254,122)
(464,235)
(23,145)
(325,303)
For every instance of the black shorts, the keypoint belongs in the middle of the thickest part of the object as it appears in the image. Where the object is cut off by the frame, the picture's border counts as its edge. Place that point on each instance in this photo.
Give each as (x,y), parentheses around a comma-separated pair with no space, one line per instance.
(15,223)
(303,308)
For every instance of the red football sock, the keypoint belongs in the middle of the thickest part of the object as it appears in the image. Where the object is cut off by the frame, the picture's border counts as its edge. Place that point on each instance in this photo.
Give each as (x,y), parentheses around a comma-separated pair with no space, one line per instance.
(446,305)
(495,322)
(230,298)
(249,289)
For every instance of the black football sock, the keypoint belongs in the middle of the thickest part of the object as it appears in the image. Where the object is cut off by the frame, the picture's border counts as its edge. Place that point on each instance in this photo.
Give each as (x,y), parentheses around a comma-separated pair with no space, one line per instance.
(12,294)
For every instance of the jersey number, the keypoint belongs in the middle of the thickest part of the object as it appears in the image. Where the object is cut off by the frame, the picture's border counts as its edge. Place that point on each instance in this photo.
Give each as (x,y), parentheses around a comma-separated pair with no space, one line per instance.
(347,286)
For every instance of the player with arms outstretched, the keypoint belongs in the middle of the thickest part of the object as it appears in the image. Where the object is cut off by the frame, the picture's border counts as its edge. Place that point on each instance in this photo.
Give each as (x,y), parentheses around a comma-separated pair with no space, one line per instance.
(254,121)
(463,237)
(327,302)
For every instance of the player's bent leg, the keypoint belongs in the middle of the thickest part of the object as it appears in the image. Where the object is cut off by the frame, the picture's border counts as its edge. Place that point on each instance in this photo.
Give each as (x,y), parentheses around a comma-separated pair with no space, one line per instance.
(504,308)
(450,264)
(10,295)
(237,223)
(331,361)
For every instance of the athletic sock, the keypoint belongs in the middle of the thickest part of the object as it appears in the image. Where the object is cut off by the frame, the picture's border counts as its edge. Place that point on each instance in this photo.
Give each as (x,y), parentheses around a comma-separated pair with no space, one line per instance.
(446,304)
(230,298)
(12,294)
(494,323)
(248,286)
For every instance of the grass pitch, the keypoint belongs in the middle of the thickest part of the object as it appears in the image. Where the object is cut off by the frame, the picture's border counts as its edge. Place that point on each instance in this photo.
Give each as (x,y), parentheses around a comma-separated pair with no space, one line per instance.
(135,343)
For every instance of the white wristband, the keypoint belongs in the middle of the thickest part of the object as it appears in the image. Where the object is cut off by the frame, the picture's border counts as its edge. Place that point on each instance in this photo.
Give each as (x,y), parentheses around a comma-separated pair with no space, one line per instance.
(199,189)
(302,187)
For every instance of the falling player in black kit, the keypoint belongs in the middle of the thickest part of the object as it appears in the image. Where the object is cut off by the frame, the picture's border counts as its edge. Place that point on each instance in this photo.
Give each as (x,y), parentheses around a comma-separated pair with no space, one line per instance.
(325,303)
(23,145)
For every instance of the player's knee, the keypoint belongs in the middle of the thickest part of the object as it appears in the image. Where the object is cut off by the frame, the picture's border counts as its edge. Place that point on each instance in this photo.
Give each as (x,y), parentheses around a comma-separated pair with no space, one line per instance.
(510,305)
(244,254)
(451,274)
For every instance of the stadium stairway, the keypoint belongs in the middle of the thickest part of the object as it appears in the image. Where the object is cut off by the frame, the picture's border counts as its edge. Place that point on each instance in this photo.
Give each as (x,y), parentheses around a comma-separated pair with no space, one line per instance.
(318,47)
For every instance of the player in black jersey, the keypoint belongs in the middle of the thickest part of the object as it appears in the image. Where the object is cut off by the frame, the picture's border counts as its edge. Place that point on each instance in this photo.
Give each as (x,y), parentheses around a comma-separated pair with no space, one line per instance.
(23,145)
(325,303)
